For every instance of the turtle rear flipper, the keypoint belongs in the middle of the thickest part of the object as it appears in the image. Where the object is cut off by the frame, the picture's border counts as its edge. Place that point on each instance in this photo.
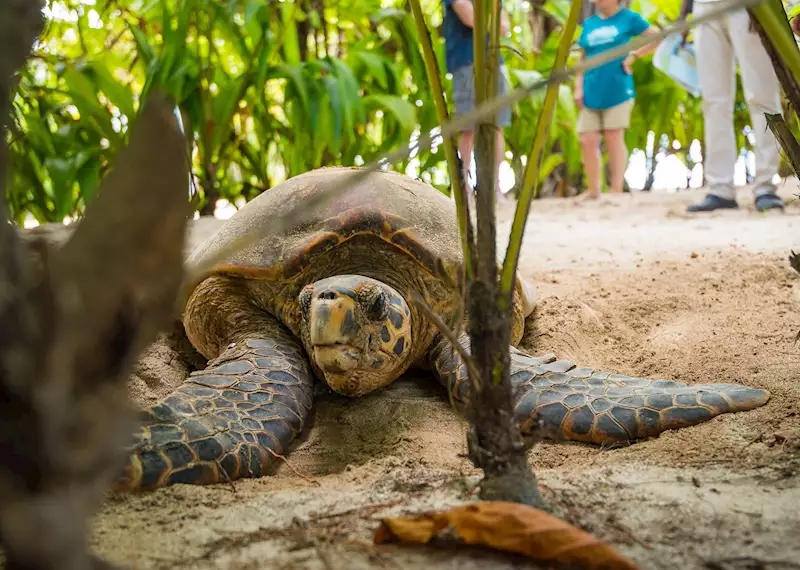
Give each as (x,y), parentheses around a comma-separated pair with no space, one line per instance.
(228,421)
(558,400)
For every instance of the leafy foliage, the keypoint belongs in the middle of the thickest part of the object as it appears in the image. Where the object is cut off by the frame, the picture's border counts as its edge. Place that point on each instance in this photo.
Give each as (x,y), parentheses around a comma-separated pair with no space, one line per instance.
(270,90)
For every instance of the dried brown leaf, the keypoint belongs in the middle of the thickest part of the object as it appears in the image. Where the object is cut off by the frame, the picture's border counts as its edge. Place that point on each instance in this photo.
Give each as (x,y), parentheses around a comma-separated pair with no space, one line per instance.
(510,527)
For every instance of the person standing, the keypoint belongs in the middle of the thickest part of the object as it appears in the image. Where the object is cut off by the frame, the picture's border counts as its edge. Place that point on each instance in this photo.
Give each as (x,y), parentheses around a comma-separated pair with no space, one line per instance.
(458,24)
(606,94)
(720,43)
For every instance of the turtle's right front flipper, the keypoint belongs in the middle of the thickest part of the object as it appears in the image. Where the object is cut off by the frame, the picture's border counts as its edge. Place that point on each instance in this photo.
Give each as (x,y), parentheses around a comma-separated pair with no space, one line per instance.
(228,421)
(561,401)
(603,408)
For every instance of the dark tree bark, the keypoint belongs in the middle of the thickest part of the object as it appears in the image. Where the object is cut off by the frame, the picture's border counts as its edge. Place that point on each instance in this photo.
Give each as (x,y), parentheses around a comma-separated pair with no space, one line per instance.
(75,318)
(786,139)
(495,442)
(210,190)
(303,30)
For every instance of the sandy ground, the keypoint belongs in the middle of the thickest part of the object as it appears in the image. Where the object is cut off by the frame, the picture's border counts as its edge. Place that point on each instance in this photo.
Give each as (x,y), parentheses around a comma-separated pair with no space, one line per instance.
(632,285)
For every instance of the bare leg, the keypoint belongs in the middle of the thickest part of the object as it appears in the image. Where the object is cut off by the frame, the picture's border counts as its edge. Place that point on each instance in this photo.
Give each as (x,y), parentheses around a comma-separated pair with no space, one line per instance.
(501,150)
(590,146)
(466,140)
(617,157)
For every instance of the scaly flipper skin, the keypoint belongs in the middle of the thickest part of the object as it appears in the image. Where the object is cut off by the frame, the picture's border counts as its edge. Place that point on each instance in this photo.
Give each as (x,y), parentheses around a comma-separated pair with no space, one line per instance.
(603,408)
(225,422)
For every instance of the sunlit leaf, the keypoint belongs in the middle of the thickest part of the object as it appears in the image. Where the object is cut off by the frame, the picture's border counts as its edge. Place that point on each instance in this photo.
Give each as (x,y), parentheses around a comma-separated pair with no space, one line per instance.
(118,94)
(403,111)
(291,46)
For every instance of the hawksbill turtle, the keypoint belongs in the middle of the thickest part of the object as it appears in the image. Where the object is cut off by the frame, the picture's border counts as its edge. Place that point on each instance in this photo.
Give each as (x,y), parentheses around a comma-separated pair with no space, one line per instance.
(328,301)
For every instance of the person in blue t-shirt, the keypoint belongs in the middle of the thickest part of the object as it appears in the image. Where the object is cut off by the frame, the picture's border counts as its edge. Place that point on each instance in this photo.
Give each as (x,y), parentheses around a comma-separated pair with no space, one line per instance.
(459,58)
(606,93)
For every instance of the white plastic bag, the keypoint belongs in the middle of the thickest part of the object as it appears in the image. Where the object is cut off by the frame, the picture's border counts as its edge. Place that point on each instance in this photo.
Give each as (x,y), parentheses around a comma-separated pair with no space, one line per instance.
(678,62)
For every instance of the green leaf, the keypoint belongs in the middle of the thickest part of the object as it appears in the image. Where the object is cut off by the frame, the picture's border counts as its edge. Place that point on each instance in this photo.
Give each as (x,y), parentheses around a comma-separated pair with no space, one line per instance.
(88,179)
(351,98)
(60,171)
(404,112)
(85,99)
(119,95)
(225,105)
(291,45)
(375,66)
(558,9)
(251,9)
(549,164)
(332,87)
(80,86)
(146,51)
(294,75)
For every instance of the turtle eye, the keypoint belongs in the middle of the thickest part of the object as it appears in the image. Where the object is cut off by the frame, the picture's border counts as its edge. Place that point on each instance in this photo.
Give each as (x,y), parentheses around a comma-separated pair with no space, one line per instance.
(375,303)
(305,300)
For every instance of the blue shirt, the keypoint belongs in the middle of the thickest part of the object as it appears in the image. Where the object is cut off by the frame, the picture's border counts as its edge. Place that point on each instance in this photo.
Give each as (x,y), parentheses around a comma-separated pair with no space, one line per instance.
(609,84)
(458,47)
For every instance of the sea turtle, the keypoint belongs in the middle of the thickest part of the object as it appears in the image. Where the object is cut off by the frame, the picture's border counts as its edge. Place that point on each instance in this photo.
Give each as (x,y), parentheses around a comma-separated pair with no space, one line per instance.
(329,301)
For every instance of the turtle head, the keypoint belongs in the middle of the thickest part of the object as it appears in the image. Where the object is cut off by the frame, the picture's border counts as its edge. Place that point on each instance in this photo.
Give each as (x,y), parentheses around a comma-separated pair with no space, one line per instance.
(357,332)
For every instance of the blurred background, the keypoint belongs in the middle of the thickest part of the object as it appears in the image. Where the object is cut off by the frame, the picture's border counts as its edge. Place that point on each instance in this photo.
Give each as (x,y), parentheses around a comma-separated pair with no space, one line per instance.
(270,89)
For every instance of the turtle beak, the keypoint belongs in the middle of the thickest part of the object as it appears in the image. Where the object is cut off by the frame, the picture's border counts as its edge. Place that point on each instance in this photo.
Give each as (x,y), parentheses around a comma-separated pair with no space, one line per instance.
(333,331)
(336,359)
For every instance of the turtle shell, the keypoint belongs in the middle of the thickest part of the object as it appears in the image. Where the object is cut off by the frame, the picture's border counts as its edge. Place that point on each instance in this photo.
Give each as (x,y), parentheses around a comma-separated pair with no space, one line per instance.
(401,211)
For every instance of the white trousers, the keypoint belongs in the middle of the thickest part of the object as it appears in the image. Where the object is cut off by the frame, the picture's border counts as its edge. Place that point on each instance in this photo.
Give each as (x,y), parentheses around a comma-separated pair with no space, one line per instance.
(719,44)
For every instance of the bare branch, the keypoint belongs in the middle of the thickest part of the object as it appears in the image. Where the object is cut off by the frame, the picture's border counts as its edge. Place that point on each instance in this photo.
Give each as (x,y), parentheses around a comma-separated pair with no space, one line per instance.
(437,321)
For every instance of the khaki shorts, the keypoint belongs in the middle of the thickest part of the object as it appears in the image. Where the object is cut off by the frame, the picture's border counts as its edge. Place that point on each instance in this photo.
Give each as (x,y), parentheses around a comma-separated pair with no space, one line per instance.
(617,117)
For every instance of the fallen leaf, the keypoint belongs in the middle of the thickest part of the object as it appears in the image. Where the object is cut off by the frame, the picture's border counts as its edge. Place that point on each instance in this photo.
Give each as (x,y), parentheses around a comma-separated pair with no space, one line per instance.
(510,527)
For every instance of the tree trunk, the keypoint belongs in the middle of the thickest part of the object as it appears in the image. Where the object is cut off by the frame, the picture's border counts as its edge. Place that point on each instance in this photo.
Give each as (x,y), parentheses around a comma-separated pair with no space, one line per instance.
(319,6)
(210,190)
(302,32)
(786,139)
(536,18)
(495,441)
(75,319)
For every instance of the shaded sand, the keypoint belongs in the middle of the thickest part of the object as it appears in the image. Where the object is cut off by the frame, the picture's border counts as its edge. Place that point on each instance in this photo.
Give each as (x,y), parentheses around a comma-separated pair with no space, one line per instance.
(632,285)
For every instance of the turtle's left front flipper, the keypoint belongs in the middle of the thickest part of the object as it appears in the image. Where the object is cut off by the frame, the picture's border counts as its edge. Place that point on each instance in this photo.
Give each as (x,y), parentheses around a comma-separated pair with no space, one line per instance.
(603,408)
(228,421)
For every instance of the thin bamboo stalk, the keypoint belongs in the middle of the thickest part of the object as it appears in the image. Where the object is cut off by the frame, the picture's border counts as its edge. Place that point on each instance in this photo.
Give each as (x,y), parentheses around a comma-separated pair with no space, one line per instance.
(531,176)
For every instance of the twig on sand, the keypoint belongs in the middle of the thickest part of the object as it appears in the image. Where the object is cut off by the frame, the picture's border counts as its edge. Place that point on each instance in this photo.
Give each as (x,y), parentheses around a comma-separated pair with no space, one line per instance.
(628,531)
(756,439)
(359,509)
(437,321)
(373,551)
(225,474)
(749,563)
(295,471)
